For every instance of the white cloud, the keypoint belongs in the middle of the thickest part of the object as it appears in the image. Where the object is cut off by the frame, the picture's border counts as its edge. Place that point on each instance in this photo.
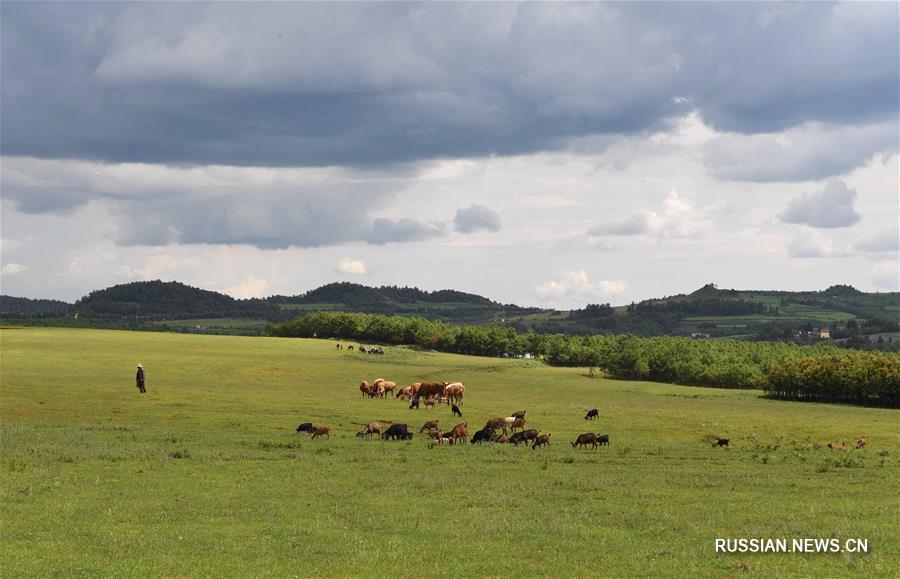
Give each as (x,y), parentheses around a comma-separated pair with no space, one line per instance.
(249,287)
(575,286)
(13,268)
(351,266)
(810,243)
(830,207)
(679,218)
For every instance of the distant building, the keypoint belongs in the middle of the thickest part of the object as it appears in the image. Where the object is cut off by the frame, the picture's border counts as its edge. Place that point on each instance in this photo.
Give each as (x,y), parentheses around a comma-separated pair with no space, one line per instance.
(825,334)
(699,335)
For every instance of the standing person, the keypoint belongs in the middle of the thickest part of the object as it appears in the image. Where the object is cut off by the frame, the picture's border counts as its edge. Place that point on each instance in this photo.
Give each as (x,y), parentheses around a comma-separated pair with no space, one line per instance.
(140,379)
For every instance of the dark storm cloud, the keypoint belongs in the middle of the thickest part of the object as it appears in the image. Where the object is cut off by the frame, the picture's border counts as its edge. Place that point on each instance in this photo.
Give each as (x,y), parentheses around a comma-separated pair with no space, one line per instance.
(475,218)
(311,84)
(830,207)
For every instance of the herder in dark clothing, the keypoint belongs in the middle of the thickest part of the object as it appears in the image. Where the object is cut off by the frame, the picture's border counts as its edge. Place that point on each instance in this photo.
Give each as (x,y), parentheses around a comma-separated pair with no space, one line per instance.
(140,379)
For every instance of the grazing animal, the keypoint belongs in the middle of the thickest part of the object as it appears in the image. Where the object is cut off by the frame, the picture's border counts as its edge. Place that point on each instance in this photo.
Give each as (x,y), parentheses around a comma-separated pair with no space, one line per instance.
(430,426)
(370,429)
(459,432)
(322,431)
(396,432)
(414,403)
(518,423)
(405,393)
(592,414)
(455,392)
(502,439)
(495,423)
(407,436)
(338,346)
(721,442)
(349,348)
(519,414)
(388,386)
(455,411)
(443,400)
(603,439)
(542,440)
(430,402)
(585,439)
(836,446)
(306,427)
(365,388)
(441,437)
(861,442)
(427,389)
(484,435)
(524,436)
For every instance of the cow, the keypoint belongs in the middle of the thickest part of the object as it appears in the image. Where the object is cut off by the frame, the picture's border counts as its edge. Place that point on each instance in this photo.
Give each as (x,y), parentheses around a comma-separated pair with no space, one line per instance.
(370,429)
(362,349)
(414,403)
(396,432)
(306,427)
(455,411)
(459,432)
(350,348)
(377,390)
(387,385)
(365,388)
(430,426)
(427,389)
(404,394)
(585,439)
(592,414)
(519,414)
(486,434)
(322,431)
(455,392)
(721,442)
(542,440)
(414,388)
(861,443)
(603,439)
(518,423)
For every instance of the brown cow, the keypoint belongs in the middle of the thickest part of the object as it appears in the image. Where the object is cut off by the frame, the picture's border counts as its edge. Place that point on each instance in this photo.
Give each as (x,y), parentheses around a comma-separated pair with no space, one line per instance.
(430,425)
(405,393)
(322,431)
(455,392)
(427,389)
(370,429)
(519,414)
(365,388)
(861,442)
(542,440)
(388,386)
(459,432)
(414,388)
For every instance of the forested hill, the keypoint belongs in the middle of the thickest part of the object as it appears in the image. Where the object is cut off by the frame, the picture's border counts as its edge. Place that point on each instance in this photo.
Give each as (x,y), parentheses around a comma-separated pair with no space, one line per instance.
(169,300)
(10,304)
(449,305)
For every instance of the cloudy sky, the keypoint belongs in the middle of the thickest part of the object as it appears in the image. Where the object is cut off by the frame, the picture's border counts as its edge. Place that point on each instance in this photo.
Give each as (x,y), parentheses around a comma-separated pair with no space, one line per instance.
(543,154)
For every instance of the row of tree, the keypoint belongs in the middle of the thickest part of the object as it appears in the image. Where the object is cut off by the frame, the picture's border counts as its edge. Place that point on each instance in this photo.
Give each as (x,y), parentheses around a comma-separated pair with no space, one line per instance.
(717,363)
(864,378)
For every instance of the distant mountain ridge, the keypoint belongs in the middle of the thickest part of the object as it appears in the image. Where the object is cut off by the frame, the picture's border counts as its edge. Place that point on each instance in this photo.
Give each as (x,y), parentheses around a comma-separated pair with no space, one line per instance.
(708,311)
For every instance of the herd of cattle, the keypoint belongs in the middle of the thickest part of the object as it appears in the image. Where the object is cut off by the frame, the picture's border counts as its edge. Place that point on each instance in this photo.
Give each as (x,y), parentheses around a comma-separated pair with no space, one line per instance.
(503,429)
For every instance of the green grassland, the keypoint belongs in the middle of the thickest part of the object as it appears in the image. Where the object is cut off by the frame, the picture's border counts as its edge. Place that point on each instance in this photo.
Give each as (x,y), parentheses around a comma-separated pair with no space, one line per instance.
(204,474)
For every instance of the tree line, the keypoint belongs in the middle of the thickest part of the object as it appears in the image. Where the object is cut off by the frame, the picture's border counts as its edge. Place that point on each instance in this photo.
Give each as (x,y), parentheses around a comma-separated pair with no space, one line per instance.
(678,360)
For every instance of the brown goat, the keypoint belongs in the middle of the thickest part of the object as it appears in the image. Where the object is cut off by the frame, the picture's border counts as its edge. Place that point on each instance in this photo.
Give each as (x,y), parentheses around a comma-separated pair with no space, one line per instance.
(519,414)
(370,429)
(861,443)
(518,423)
(430,425)
(542,440)
(322,431)
(459,432)
(836,446)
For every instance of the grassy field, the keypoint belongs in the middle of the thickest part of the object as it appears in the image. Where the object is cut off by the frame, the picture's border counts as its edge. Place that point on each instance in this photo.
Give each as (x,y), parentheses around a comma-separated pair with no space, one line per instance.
(204,475)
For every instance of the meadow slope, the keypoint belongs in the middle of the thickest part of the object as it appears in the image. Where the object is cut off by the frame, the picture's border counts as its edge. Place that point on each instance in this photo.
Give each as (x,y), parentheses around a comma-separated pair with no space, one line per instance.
(204,475)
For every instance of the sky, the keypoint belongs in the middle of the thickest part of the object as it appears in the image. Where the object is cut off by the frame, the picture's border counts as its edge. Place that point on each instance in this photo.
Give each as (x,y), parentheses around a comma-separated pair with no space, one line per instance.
(544,154)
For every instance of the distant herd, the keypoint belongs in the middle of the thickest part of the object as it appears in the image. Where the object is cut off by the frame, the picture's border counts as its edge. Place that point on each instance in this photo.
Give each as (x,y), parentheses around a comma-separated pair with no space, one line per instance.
(502,430)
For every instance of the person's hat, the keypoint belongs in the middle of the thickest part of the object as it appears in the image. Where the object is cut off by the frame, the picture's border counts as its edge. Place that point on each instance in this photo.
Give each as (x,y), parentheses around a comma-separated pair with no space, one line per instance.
(139,366)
